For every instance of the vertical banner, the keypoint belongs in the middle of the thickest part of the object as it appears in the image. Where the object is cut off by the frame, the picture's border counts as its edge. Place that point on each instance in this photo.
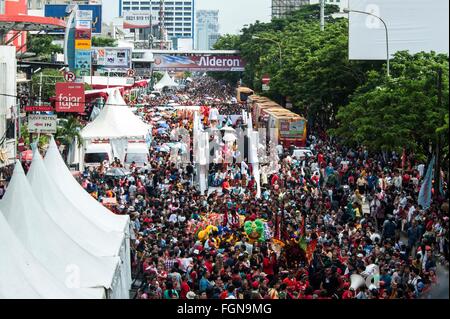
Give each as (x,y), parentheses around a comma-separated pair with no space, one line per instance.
(83,43)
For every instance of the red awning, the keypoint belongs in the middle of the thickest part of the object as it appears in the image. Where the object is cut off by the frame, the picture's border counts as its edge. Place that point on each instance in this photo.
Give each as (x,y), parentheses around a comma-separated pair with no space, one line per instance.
(30,23)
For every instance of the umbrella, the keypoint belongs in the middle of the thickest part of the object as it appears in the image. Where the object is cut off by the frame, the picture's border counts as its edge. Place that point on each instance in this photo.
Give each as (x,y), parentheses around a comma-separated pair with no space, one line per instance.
(228,129)
(228,137)
(161,131)
(164,125)
(164,148)
(117,172)
(27,155)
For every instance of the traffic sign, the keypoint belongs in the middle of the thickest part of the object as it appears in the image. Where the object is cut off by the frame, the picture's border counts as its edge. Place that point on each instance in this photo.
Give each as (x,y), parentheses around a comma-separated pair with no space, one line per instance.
(265,79)
(131,73)
(69,76)
(41,123)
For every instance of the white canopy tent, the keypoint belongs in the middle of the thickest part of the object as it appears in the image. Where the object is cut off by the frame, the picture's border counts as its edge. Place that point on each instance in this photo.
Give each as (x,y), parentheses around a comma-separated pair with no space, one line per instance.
(49,244)
(166,81)
(118,123)
(68,216)
(23,277)
(87,205)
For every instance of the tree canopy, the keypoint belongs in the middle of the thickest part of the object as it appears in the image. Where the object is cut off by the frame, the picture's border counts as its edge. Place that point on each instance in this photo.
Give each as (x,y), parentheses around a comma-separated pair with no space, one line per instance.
(103,42)
(352,100)
(42,46)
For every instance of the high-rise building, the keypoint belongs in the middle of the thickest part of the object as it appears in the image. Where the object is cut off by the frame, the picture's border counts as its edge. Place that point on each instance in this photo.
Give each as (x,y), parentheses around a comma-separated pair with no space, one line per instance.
(207,22)
(178,16)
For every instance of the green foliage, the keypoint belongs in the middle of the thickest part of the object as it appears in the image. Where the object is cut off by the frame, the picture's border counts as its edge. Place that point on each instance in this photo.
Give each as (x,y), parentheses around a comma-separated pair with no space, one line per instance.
(68,129)
(49,78)
(42,46)
(315,72)
(103,42)
(402,111)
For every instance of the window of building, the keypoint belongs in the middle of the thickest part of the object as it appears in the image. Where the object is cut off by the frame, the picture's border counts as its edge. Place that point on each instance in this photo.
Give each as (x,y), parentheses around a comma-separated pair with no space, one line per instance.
(126,8)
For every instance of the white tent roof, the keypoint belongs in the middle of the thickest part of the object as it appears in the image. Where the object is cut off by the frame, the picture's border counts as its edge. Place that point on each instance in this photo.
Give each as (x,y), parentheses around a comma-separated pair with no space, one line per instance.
(87,205)
(67,216)
(116,120)
(49,244)
(166,81)
(23,277)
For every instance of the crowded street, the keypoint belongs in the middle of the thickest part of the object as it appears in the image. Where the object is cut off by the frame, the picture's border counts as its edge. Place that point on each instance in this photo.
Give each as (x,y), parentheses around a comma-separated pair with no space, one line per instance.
(268,152)
(312,234)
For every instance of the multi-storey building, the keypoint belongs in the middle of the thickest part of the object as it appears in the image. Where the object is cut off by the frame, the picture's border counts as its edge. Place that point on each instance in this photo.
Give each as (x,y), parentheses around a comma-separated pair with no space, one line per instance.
(207,27)
(178,16)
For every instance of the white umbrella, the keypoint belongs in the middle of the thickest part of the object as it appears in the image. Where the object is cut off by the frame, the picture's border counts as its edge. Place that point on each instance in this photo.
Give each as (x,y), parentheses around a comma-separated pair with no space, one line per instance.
(228,137)
(228,129)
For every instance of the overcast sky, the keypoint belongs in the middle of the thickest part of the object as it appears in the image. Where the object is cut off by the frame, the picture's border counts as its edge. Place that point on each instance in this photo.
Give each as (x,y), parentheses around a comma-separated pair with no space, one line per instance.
(233,14)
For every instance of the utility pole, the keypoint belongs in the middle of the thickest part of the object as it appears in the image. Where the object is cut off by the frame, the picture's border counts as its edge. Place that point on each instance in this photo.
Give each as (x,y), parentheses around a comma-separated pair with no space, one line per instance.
(40,88)
(437,168)
(322,15)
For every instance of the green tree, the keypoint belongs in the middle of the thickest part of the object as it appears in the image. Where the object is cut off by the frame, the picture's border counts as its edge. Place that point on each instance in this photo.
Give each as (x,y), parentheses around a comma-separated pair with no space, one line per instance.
(103,42)
(68,129)
(42,46)
(402,111)
(46,79)
(227,42)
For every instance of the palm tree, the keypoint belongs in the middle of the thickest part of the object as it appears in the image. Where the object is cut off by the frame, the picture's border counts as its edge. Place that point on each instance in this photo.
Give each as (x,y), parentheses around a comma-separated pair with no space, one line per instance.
(67,131)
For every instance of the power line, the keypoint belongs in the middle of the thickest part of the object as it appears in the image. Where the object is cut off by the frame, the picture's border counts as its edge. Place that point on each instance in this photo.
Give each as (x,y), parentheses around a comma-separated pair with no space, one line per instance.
(55,100)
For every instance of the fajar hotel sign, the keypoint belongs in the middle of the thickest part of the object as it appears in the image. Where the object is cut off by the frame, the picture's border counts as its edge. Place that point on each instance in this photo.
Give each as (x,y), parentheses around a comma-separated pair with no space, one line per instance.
(69,97)
(203,63)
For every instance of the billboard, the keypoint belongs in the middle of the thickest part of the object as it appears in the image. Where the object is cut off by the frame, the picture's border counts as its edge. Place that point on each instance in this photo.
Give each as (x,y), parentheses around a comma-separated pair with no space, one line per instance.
(413,25)
(112,58)
(59,11)
(69,97)
(82,44)
(139,19)
(203,63)
(42,123)
(82,63)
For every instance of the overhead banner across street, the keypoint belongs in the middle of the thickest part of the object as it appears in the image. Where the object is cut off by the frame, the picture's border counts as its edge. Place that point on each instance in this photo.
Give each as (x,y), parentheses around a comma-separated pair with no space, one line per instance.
(203,63)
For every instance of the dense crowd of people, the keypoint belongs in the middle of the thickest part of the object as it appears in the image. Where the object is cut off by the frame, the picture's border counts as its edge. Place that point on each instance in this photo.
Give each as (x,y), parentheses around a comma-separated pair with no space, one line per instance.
(319,220)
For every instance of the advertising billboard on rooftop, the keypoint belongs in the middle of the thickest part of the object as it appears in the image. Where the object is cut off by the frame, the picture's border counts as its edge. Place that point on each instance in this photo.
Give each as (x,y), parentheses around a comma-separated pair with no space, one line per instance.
(413,25)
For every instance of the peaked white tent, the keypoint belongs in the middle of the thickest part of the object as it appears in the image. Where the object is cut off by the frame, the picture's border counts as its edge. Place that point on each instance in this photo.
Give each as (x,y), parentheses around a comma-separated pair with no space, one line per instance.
(88,235)
(116,120)
(23,277)
(50,245)
(87,205)
(166,81)
(118,123)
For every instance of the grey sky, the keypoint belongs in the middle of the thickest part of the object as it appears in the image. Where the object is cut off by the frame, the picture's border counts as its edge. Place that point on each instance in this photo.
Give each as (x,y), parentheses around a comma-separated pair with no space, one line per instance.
(234,14)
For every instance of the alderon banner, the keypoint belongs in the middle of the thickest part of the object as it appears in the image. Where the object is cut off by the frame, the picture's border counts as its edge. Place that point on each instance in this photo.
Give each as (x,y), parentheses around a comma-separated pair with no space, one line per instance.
(203,63)
(69,97)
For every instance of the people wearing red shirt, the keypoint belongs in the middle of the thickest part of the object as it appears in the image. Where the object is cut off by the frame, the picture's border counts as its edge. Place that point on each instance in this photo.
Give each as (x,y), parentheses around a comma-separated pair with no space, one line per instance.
(184,288)
(226,186)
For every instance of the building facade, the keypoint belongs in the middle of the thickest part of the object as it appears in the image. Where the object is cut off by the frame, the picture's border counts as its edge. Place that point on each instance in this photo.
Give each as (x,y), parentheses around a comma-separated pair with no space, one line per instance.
(178,16)
(207,26)
(280,8)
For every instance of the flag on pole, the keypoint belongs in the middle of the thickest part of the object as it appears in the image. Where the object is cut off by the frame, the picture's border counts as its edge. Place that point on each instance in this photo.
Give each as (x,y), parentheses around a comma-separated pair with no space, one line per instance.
(427,186)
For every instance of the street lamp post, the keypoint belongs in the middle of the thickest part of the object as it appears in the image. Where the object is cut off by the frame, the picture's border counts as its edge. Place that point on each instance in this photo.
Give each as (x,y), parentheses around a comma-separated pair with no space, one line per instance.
(276,42)
(388,57)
